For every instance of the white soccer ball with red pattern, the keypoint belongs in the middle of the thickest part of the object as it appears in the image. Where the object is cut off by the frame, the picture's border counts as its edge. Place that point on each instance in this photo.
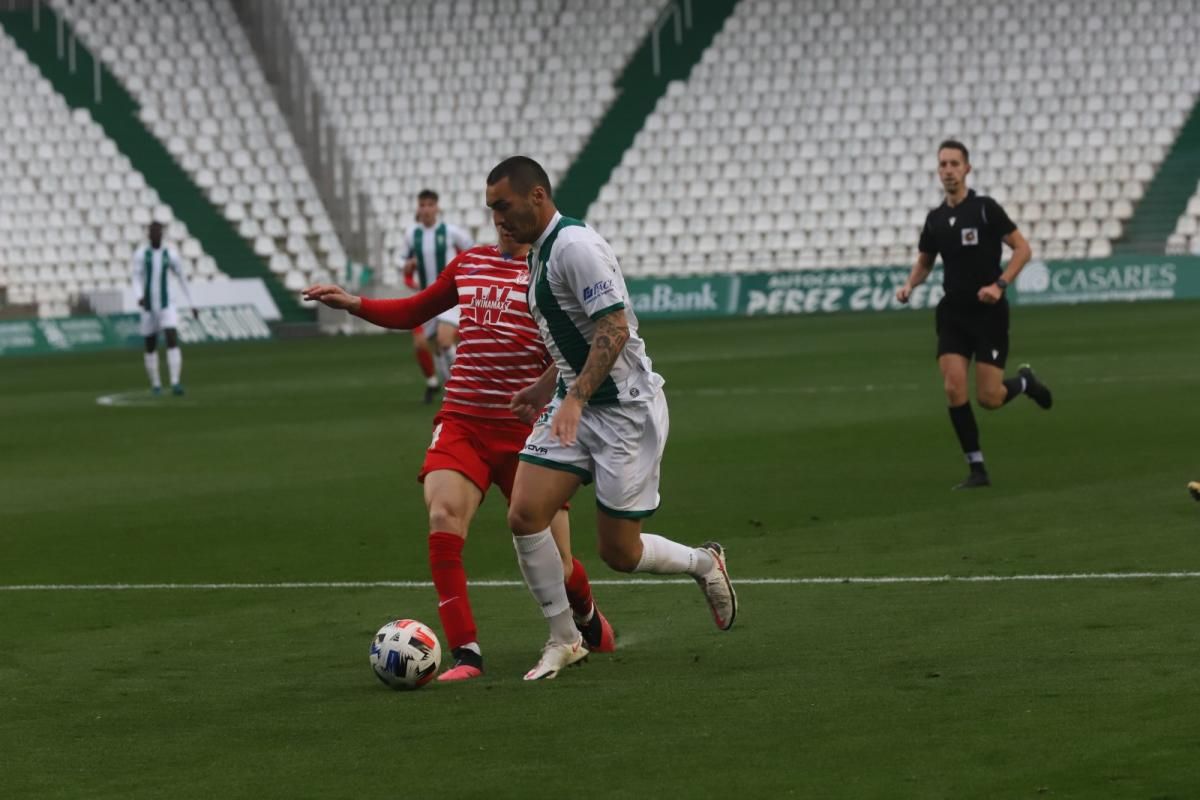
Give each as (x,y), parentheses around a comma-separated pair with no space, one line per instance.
(405,654)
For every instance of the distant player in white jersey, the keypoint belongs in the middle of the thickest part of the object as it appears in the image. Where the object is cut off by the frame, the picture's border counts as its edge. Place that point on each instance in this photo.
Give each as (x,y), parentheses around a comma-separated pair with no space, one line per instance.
(151,263)
(600,410)
(431,245)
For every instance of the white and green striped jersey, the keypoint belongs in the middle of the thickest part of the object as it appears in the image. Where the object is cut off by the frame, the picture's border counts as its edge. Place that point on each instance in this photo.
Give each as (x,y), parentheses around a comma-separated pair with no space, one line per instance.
(575,280)
(434,247)
(150,267)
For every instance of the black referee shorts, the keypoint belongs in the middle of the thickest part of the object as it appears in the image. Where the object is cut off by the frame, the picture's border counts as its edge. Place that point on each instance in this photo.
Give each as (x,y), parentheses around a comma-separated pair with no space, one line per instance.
(973,330)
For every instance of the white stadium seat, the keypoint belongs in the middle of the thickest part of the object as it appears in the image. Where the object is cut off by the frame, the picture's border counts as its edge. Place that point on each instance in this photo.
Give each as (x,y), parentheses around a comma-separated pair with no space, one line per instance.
(74,209)
(210,101)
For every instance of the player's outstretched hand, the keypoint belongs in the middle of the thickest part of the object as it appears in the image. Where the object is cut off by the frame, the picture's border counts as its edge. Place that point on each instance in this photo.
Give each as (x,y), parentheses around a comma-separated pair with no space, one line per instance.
(903,293)
(333,296)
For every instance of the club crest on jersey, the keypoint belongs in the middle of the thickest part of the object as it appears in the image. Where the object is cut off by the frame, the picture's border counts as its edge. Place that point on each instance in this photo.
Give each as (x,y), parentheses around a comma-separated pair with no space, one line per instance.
(488,304)
(970,236)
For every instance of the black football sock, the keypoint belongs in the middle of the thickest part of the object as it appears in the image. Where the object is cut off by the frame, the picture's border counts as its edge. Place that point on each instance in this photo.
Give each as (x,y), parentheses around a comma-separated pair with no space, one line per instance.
(1014,387)
(465,655)
(963,420)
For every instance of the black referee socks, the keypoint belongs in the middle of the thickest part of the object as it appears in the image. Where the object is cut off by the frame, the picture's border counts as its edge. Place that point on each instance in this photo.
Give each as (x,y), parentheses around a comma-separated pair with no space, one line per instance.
(963,420)
(1013,387)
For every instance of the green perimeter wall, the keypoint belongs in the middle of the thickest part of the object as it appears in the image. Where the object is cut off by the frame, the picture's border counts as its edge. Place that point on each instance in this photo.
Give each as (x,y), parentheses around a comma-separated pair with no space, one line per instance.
(872,289)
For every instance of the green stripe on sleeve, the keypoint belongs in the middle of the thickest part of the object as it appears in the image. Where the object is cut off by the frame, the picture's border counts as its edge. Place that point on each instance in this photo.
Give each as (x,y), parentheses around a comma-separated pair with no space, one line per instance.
(604,312)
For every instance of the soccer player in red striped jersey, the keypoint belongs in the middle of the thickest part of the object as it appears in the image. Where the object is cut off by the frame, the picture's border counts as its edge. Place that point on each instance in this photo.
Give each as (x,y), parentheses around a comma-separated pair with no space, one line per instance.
(476,437)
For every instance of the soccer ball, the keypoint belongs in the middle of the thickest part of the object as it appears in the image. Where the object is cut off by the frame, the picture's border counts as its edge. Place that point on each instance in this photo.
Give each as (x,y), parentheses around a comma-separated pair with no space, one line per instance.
(405,654)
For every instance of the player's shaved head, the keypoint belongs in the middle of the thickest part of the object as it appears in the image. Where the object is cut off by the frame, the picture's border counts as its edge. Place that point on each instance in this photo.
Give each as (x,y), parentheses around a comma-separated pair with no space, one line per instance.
(156,233)
(518,193)
(523,175)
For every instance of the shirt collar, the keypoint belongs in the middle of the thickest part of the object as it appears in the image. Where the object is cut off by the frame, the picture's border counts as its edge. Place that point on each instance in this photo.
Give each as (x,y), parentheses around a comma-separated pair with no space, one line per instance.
(537,246)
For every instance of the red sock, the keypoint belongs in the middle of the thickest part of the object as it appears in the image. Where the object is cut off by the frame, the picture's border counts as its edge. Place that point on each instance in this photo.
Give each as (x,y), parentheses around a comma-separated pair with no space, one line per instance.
(425,359)
(450,579)
(579,591)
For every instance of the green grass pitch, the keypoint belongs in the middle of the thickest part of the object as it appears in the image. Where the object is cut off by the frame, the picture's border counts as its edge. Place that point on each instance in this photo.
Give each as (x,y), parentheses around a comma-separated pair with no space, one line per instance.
(808,446)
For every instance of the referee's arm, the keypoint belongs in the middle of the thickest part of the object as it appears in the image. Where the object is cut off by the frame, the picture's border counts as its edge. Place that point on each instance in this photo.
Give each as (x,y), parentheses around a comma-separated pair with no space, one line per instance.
(1021,253)
(920,272)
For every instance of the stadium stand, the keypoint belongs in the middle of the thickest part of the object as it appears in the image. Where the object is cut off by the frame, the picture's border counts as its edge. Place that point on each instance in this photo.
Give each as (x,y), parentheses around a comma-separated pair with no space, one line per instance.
(805,137)
(1186,237)
(802,138)
(421,97)
(72,208)
(205,97)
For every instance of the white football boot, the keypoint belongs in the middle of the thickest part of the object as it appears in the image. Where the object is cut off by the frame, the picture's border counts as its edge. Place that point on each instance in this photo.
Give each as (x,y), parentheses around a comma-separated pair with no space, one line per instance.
(718,589)
(557,656)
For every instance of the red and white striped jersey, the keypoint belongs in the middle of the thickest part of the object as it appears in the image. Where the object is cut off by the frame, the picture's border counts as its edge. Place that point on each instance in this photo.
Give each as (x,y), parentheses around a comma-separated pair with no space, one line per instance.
(501,350)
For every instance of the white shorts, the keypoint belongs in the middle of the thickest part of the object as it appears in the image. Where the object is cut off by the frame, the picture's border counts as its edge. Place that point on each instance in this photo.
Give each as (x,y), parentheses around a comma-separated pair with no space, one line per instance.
(449,317)
(155,321)
(619,446)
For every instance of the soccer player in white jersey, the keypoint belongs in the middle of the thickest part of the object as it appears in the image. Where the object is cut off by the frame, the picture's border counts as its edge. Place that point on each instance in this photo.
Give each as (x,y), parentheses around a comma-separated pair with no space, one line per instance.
(431,245)
(601,415)
(151,263)
(476,437)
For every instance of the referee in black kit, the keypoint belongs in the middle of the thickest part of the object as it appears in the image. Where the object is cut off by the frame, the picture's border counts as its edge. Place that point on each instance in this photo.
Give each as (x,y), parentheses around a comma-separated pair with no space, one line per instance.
(972,317)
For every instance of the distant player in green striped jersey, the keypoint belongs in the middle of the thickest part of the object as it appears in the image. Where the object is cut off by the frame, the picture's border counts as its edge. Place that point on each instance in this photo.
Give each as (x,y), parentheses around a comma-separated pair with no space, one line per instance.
(151,264)
(599,414)
(431,245)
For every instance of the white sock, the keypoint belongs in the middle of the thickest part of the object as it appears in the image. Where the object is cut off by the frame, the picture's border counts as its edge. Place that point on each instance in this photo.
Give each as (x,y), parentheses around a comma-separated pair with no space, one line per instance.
(174,364)
(151,360)
(473,647)
(432,382)
(451,354)
(661,556)
(975,457)
(441,365)
(541,566)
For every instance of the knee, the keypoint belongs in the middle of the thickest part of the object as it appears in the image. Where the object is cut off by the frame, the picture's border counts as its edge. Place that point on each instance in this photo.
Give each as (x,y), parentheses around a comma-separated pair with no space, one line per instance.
(956,390)
(444,517)
(619,557)
(524,521)
(991,400)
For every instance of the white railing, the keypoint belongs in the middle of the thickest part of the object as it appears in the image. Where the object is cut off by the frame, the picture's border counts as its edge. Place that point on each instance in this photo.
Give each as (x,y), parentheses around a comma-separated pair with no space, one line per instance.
(681,12)
(350,209)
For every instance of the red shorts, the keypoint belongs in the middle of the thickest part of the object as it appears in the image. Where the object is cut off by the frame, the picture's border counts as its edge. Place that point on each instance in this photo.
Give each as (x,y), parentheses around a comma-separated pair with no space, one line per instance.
(484,450)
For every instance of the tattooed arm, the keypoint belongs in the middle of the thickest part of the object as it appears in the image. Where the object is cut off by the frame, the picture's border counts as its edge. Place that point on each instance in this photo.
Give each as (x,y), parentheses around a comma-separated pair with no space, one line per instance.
(612,331)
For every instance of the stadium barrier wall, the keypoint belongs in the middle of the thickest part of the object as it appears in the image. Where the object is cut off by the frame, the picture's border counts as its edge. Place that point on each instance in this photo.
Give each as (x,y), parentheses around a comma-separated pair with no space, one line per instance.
(867,289)
(81,334)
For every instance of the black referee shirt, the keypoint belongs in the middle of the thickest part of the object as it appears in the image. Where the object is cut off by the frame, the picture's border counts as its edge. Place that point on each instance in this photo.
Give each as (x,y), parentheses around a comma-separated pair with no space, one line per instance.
(969,238)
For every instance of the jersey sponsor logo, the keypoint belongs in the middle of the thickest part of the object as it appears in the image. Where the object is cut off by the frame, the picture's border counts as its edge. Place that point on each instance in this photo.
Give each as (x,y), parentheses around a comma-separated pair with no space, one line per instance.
(970,237)
(488,304)
(598,289)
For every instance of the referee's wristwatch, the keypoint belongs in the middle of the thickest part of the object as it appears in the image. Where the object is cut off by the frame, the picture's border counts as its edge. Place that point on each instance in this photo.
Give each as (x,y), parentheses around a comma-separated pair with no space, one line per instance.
(1003,284)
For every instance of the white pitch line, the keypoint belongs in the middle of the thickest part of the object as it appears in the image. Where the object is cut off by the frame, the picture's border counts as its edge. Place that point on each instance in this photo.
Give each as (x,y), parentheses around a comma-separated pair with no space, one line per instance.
(504,584)
(127,399)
